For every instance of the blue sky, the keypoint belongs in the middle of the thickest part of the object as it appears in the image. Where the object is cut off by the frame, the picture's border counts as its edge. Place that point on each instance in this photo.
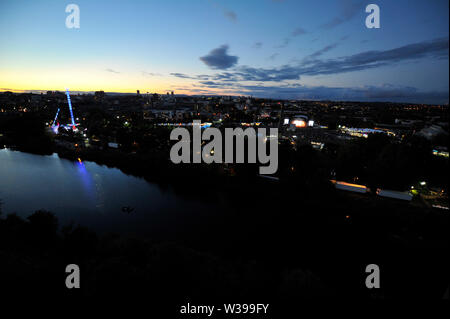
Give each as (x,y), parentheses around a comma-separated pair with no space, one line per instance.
(281,49)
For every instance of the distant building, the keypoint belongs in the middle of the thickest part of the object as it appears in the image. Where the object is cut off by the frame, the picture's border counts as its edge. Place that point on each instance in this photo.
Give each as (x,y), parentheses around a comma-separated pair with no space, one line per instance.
(99,94)
(394,194)
(431,132)
(113,145)
(350,187)
(440,151)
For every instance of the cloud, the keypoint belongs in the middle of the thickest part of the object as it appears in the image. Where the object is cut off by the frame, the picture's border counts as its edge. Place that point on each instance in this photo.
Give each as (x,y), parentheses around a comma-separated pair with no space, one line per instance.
(322,51)
(231,15)
(145,73)
(295,33)
(218,58)
(240,79)
(112,71)
(326,49)
(285,72)
(437,48)
(273,56)
(224,76)
(285,43)
(203,76)
(347,10)
(257,45)
(213,84)
(182,76)
(298,31)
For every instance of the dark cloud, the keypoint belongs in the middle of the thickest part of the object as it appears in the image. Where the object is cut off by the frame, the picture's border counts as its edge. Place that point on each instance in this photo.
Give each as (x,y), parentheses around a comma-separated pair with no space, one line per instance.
(182,76)
(257,45)
(437,48)
(347,10)
(327,48)
(230,15)
(218,58)
(213,84)
(112,71)
(285,72)
(203,77)
(298,31)
(322,51)
(225,76)
(209,83)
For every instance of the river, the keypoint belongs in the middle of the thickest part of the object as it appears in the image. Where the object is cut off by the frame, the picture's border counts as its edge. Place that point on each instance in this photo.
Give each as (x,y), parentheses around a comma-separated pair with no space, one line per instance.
(91,195)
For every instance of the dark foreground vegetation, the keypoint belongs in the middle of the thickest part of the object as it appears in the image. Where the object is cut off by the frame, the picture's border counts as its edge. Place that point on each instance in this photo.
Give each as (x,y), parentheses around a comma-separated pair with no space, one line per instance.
(254,249)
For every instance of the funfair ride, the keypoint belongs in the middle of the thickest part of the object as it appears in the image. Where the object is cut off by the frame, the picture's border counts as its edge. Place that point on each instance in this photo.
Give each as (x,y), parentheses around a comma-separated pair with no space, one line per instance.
(72,125)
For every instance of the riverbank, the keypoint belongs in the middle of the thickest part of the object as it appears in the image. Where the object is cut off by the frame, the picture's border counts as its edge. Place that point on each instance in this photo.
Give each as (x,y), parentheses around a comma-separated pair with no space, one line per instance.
(222,183)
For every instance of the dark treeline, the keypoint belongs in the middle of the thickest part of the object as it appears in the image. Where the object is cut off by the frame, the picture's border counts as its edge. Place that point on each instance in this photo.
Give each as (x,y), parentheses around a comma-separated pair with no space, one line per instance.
(378,161)
(27,132)
(268,243)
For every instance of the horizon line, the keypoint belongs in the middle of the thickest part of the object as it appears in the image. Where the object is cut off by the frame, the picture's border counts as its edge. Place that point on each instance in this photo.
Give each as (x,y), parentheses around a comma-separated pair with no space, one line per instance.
(77,92)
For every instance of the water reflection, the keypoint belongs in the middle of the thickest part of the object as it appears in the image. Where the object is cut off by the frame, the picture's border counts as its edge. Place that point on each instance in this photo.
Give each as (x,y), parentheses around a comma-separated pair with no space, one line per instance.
(87,183)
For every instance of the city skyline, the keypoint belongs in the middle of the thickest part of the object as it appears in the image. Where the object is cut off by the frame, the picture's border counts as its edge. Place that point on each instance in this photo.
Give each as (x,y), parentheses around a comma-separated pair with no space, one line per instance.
(272,49)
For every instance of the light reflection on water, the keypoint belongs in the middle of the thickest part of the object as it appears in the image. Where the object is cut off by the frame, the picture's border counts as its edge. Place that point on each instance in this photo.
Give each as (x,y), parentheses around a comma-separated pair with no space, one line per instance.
(87,183)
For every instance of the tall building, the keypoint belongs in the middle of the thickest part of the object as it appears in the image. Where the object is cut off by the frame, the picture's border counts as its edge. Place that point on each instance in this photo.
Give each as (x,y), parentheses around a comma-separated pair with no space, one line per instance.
(99,96)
